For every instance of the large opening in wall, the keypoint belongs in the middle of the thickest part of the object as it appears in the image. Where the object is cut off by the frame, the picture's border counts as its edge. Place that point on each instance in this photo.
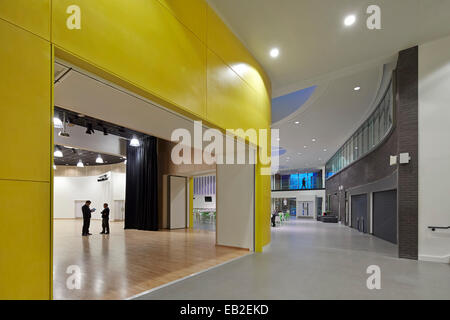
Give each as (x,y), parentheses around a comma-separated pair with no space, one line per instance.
(166,221)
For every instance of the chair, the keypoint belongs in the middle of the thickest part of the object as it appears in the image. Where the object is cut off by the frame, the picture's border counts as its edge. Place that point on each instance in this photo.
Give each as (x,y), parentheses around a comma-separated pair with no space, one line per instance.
(287,216)
(277,220)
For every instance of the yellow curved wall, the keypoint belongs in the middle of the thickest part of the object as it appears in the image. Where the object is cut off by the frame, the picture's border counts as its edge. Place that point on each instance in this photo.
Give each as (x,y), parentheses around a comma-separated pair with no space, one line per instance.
(175,52)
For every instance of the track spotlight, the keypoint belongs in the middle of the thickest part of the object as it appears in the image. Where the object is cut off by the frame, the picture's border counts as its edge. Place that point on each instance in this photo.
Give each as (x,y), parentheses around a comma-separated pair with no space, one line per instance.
(99,159)
(134,142)
(58,153)
(80,164)
(90,129)
(57,123)
(64,133)
(105,131)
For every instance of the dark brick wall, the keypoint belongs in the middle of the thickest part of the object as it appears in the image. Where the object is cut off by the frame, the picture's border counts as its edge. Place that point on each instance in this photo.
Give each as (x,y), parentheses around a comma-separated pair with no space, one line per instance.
(375,166)
(407,126)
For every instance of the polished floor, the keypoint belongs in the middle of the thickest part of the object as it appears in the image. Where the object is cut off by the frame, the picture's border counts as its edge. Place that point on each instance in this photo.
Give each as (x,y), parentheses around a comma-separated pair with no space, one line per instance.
(312,260)
(127,262)
(205,224)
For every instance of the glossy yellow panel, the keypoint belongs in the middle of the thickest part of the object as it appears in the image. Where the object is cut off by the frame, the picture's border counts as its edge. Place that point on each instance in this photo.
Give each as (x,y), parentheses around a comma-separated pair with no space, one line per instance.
(25,240)
(32,15)
(25,121)
(231,101)
(227,46)
(192,14)
(141,42)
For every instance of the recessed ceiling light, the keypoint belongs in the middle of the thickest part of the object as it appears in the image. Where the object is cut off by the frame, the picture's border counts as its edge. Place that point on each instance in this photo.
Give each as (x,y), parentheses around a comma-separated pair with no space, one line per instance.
(299,153)
(305,147)
(278,139)
(297,122)
(274,53)
(314,140)
(325,150)
(350,20)
(357,88)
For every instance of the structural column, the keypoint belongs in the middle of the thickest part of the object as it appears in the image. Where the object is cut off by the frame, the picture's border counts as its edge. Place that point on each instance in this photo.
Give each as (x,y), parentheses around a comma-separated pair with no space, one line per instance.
(407,128)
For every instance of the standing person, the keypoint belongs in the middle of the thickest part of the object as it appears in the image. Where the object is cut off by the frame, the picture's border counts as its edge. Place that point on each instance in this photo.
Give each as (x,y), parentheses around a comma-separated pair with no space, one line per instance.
(105,219)
(304,183)
(86,218)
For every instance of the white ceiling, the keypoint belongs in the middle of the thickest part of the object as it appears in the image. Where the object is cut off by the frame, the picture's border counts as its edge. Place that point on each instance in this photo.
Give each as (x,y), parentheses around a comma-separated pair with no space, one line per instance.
(317,49)
(313,40)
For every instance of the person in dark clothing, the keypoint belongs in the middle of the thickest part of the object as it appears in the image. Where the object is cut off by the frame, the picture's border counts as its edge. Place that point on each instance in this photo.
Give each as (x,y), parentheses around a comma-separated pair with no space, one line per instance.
(304,183)
(86,218)
(105,219)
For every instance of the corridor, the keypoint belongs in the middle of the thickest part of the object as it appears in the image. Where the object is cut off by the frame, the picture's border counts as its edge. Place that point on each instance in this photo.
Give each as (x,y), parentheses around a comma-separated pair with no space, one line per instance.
(312,260)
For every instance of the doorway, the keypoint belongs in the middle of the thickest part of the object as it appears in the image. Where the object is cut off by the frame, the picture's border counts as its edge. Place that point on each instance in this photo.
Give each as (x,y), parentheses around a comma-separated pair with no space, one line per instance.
(126,262)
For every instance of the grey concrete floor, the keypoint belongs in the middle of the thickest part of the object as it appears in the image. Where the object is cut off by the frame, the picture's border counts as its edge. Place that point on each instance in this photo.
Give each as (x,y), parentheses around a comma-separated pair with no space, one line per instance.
(312,260)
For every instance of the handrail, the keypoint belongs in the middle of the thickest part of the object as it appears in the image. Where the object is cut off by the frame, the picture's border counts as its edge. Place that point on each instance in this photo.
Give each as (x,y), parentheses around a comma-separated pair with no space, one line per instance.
(440,228)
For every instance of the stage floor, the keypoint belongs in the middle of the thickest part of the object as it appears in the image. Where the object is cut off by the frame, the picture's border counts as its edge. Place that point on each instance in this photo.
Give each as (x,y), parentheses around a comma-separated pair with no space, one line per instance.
(128,262)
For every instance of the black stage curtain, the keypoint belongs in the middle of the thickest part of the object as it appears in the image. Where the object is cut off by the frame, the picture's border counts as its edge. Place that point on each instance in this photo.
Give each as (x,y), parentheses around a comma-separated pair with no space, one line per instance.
(141,197)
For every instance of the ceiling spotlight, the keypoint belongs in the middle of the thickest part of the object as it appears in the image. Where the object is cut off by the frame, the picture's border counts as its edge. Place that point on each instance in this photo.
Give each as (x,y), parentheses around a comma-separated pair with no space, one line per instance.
(99,159)
(350,20)
(134,142)
(274,53)
(57,123)
(80,164)
(58,153)
(357,88)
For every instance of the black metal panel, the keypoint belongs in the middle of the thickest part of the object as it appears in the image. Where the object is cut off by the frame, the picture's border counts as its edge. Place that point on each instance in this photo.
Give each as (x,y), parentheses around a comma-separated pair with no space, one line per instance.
(359,212)
(385,215)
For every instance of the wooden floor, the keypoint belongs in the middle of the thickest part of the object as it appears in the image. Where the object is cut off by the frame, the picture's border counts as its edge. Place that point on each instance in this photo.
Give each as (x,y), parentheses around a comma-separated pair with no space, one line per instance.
(128,262)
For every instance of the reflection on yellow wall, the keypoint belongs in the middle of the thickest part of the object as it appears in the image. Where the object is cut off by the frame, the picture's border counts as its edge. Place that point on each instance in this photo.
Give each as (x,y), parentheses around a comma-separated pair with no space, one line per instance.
(177,52)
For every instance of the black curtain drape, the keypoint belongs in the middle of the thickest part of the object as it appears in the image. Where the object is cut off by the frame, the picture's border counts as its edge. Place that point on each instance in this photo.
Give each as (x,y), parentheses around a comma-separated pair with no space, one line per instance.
(141,196)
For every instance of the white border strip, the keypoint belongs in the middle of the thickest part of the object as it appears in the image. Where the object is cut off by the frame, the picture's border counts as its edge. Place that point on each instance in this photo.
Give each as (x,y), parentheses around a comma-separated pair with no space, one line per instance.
(187,277)
(438,259)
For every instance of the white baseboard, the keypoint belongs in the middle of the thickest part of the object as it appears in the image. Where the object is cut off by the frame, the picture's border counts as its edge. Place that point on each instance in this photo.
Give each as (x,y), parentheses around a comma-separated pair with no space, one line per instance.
(438,259)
